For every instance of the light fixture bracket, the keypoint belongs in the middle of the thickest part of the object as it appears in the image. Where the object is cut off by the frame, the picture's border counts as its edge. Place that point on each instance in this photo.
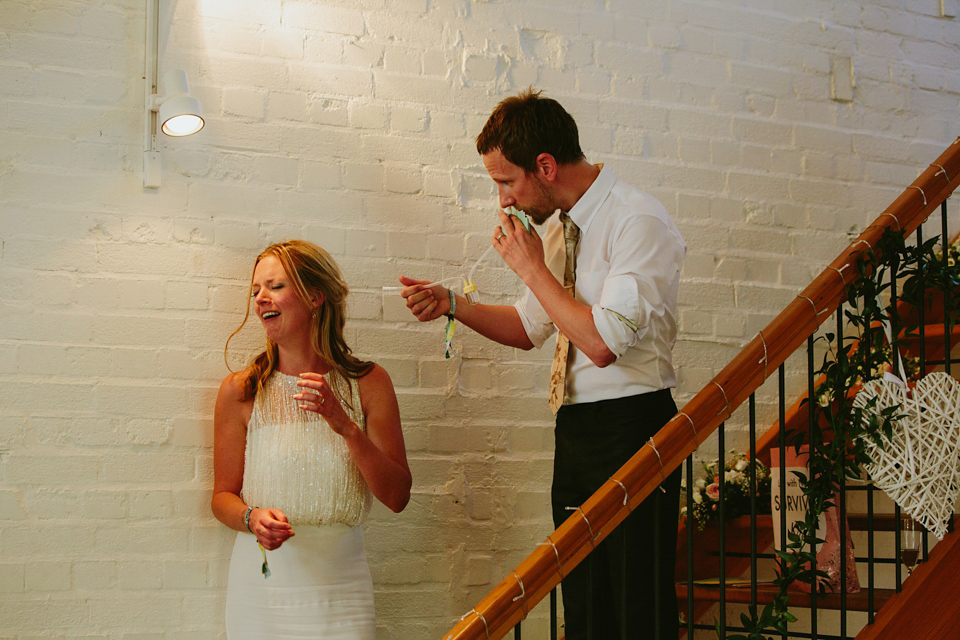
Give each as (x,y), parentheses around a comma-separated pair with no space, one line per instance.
(176,114)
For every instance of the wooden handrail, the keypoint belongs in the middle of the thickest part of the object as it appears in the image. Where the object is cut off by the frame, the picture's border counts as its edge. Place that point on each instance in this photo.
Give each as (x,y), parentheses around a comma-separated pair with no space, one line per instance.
(508,603)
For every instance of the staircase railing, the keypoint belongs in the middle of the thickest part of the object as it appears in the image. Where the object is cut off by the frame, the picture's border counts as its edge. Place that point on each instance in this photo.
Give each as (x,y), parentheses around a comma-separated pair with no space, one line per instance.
(509,602)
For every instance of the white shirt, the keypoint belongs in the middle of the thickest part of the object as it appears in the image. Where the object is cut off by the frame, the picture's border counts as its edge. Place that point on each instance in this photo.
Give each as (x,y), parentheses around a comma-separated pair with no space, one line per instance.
(628,264)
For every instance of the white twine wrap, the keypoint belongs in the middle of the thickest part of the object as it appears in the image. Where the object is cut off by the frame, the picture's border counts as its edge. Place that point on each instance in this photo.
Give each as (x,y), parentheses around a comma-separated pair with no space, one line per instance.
(486,629)
(593,538)
(626,494)
(894,218)
(921,193)
(523,594)
(556,553)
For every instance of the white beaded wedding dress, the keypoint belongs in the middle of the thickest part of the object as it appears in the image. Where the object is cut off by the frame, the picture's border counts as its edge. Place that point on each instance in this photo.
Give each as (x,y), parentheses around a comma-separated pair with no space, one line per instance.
(319,582)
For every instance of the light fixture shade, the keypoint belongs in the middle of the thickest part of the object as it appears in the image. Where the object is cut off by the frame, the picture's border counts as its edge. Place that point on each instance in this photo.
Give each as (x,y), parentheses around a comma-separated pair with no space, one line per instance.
(180,116)
(179,113)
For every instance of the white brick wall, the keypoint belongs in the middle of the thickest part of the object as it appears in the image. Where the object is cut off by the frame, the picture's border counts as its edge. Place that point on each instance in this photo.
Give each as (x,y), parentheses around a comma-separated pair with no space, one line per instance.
(352,124)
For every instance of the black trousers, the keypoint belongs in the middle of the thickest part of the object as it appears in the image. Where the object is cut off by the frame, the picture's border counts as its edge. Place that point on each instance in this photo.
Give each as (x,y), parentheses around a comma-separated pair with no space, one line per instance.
(613,593)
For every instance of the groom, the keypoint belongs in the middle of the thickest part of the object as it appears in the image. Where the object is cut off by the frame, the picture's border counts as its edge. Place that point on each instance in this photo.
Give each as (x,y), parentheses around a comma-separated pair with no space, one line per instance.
(604,277)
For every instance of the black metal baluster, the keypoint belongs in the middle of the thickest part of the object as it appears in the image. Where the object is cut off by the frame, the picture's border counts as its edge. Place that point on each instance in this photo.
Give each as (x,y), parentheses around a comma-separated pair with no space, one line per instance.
(657,620)
(948,294)
(870,552)
(896,538)
(842,508)
(895,329)
(690,524)
(843,595)
(782,437)
(922,321)
(811,416)
(921,314)
(753,498)
(723,534)
(947,297)
(589,606)
(896,363)
(948,358)
(623,581)
(553,614)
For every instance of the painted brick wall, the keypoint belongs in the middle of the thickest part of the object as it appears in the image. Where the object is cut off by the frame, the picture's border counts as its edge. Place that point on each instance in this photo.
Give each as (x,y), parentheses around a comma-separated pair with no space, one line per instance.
(771,129)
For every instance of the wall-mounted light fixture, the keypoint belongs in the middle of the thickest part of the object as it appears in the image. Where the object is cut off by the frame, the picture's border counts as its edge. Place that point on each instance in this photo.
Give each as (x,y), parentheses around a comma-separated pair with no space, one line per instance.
(177,113)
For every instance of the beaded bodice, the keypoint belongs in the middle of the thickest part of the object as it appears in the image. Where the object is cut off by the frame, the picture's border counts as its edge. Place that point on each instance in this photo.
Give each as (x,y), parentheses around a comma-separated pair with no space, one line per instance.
(296,463)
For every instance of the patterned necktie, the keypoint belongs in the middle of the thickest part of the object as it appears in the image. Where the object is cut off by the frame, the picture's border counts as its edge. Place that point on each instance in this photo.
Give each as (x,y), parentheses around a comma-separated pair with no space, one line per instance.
(558,372)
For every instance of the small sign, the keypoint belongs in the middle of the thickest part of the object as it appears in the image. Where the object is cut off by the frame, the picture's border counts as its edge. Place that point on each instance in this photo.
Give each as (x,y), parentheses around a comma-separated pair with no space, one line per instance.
(794,500)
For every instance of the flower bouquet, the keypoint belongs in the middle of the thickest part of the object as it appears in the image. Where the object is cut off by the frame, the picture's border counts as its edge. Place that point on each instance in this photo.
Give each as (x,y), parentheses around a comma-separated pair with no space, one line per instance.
(736,490)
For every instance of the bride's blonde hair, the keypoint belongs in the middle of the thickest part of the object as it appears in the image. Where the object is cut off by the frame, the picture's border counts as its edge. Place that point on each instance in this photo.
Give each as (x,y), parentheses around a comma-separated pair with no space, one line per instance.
(312,270)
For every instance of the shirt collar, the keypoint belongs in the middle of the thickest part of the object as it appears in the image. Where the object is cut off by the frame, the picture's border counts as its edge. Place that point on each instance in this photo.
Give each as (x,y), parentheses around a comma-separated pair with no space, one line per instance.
(586,207)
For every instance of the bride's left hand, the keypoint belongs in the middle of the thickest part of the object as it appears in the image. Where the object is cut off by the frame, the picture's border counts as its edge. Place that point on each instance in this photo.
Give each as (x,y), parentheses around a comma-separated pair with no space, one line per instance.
(317,396)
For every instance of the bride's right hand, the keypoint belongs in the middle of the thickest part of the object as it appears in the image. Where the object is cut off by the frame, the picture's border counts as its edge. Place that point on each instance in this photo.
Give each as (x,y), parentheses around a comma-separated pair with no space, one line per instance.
(271,527)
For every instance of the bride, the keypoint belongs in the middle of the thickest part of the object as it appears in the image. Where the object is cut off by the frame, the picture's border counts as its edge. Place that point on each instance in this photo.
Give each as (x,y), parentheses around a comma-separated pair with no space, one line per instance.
(302,437)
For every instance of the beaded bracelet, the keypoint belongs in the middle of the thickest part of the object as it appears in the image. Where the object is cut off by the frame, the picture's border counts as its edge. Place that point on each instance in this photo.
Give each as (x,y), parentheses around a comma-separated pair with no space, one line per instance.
(453,304)
(264,568)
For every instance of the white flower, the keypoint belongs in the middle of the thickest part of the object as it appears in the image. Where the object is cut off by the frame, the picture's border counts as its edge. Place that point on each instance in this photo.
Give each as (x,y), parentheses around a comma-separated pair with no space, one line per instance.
(697,497)
(741,465)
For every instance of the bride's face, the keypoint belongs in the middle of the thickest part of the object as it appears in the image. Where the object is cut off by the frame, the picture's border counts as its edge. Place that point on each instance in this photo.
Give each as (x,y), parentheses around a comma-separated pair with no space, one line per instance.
(281,311)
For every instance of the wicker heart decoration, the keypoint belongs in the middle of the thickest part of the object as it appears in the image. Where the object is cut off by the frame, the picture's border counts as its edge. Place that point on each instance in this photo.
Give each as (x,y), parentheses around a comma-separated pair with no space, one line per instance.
(919,468)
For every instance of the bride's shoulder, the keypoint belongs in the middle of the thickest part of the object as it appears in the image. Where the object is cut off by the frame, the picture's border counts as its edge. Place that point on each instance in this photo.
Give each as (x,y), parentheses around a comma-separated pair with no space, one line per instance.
(236,386)
(375,381)
(375,375)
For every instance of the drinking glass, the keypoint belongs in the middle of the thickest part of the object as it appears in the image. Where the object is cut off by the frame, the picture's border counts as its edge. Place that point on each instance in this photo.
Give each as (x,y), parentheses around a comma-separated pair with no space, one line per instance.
(911,535)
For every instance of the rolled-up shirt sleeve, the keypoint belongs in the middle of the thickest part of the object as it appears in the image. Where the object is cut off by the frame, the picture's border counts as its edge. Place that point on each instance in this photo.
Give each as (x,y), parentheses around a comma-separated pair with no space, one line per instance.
(535,320)
(644,269)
